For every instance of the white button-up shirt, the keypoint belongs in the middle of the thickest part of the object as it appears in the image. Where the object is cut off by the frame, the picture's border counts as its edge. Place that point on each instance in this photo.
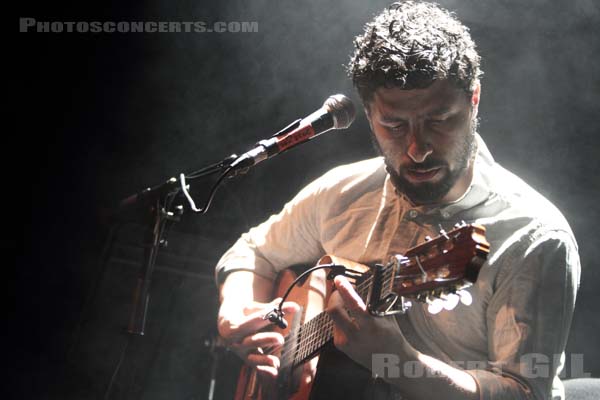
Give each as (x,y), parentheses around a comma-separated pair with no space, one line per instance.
(511,336)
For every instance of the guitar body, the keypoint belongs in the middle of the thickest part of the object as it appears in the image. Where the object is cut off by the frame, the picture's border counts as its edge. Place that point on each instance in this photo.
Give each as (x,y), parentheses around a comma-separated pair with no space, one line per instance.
(312,295)
(444,265)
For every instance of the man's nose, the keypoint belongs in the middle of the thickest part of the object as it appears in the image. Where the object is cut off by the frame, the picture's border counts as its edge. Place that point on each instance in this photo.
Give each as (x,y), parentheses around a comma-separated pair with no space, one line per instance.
(418,147)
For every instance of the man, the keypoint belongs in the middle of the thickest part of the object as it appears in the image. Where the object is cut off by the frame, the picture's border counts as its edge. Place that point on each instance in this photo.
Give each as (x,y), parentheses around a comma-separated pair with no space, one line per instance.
(417,72)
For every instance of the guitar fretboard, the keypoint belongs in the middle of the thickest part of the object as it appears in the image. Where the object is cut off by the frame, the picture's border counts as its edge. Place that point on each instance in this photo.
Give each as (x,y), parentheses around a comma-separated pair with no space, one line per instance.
(307,339)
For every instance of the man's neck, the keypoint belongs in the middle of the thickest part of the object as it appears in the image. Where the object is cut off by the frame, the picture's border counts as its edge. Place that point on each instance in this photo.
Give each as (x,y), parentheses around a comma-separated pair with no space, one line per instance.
(461,186)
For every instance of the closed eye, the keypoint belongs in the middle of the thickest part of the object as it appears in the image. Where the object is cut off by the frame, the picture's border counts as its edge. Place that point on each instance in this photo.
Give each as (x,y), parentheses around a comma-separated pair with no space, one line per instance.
(396,127)
(437,121)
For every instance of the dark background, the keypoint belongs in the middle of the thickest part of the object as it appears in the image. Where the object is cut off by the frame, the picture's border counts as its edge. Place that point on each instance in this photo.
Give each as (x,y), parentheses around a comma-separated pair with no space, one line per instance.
(100,116)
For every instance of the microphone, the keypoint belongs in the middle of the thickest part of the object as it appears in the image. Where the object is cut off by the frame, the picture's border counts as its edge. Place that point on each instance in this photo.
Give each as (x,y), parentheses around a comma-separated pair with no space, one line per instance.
(337,112)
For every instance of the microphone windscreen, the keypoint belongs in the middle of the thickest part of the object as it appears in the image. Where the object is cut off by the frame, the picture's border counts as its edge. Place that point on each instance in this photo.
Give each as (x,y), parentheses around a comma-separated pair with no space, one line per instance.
(341,109)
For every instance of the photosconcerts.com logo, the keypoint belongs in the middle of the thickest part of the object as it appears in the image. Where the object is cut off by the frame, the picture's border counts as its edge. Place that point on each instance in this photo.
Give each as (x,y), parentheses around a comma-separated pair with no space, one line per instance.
(28,25)
(533,365)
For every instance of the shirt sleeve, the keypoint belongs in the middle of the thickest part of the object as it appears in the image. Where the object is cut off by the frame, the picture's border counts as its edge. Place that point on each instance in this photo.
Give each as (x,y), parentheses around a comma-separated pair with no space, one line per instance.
(288,238)
(528,319)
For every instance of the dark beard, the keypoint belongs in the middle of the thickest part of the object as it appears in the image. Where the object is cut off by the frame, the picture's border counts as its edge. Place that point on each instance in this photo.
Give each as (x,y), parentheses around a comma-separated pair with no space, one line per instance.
(428,192)
(425,192)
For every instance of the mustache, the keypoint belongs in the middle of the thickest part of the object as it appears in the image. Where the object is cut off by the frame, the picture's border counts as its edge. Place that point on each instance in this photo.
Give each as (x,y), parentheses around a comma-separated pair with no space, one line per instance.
(426,165)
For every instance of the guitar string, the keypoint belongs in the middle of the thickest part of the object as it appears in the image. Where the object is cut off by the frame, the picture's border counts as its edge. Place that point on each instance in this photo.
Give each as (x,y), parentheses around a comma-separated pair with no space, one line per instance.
(311,335)
(307,344)
(308,333)
(313,342)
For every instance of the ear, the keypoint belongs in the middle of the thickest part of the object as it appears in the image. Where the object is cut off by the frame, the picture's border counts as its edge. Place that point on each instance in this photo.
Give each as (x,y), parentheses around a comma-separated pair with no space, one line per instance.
(475,97)
(476,94)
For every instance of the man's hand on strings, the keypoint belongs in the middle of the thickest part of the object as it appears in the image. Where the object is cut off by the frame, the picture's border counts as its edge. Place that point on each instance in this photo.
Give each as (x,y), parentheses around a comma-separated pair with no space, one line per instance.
(240,326)
(356,332)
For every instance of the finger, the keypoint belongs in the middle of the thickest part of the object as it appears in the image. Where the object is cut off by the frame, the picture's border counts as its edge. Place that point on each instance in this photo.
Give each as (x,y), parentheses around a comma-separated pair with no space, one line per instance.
(351,299)
(257,307)
(257,319)
(254,319)
(266,360)
(290,307)
(264,340)
(266,371)
(246,326)
(235,322)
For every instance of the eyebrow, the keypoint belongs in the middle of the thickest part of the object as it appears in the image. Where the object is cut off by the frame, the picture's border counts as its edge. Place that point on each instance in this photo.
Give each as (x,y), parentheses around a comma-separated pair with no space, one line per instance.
(437,112)
(440,111)
(391,119)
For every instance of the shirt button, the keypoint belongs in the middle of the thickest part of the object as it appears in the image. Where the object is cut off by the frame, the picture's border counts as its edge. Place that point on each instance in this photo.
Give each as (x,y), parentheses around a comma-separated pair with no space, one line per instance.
(413,214)
(445,214)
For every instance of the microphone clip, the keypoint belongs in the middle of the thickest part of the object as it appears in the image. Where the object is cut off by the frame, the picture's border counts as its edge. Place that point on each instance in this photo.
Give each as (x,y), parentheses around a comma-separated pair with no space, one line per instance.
(275,316)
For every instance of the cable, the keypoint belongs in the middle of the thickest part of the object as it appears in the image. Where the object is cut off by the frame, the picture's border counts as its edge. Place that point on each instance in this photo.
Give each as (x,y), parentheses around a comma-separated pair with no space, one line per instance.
(212,168)
(276,315)
(211,195)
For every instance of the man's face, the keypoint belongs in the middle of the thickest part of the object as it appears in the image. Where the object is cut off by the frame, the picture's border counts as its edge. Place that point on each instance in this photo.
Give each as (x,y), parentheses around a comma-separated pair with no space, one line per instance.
(427,139)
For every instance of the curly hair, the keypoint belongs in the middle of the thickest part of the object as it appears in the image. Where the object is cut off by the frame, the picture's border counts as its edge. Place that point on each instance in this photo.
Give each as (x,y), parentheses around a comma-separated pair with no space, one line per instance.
(411,45)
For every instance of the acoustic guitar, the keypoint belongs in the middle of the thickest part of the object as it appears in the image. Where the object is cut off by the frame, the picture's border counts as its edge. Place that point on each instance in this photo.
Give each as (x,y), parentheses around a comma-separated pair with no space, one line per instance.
(434,269)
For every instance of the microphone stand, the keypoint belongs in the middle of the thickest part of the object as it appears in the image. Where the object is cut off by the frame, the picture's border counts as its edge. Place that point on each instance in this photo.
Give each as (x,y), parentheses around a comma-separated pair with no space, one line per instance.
(153,240)
(155,208)
(157,211)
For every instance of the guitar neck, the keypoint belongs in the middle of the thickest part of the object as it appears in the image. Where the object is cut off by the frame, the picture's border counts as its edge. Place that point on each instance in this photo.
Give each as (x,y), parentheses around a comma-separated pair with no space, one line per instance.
(306,340)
